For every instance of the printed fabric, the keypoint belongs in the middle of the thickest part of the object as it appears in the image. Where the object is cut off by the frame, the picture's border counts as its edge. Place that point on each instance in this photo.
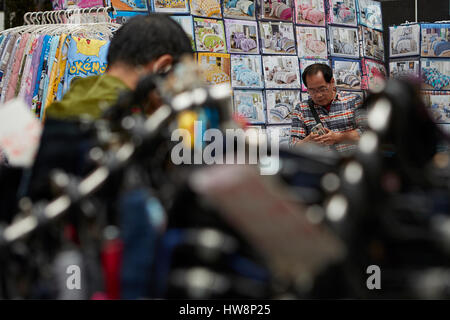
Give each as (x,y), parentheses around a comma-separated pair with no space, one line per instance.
(57,70)
(39,78)
(86,57)
(9,67)
(17,64)
(47,72)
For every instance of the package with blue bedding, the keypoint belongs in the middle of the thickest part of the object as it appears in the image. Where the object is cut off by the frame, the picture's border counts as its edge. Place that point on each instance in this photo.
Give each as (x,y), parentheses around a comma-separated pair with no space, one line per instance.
(347,73)
(249,104)
(435,40)
(435,74)
(246,71)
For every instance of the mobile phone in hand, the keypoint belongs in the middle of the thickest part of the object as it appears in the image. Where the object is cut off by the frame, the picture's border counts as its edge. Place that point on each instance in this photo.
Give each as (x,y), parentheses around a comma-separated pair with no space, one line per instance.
(318,129)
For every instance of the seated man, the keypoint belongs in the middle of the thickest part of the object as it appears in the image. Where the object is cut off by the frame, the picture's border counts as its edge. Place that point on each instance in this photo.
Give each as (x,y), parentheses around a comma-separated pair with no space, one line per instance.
(340,114)
(144,45)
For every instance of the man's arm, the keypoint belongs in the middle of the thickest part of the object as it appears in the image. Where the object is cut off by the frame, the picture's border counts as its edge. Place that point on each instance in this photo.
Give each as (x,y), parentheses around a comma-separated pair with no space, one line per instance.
(299,131)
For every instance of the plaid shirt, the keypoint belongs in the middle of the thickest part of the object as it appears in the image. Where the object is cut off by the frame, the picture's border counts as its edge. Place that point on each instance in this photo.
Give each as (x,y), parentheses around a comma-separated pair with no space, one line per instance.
(345,114)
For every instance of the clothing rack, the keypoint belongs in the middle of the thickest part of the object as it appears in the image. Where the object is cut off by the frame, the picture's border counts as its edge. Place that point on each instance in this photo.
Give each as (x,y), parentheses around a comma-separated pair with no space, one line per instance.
(58,16)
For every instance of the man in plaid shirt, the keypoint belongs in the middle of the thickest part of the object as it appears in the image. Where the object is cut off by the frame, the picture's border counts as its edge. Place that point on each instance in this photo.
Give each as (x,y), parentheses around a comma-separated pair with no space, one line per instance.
(341,114)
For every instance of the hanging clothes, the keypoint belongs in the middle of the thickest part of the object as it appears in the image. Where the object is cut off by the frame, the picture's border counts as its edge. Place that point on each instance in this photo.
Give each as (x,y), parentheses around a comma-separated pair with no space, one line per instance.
(41,67)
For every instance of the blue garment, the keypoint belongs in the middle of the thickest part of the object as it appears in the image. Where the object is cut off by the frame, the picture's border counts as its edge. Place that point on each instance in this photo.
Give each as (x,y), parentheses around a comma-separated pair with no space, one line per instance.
(46,73)
(39,85)
(2,55)
(85,57)
(141,216)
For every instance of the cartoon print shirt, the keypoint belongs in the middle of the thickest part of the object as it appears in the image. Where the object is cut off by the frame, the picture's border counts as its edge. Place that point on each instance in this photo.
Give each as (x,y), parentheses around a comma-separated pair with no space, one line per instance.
(86,57)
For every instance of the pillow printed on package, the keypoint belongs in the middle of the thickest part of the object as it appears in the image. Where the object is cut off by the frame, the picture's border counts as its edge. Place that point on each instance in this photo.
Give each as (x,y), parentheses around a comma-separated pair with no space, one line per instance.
(408,68)
(239,9)
(209,35)
(404,40)
(310,12)
(435,40)
(281,72)
(374,75)
(249,104)
(347,73)
(369,14)
(373,43)
(312,42)
(86,57)
(280,104)
(246,72)
(206,8)
(215,67)
(438,104)
(436,74)
(242,36)
(341,12)
(171,6)
(344,42)
(277,37)
(276,9)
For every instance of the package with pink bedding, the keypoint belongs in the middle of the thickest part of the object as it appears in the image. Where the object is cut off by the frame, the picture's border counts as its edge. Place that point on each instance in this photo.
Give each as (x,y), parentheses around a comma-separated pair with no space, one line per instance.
(374,74)
(310,12)
(342,12)
(276,9)
(311,42)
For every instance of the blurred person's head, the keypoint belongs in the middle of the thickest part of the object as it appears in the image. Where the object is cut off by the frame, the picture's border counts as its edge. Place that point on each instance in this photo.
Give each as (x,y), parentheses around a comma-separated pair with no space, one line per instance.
(146,44)
(318,79)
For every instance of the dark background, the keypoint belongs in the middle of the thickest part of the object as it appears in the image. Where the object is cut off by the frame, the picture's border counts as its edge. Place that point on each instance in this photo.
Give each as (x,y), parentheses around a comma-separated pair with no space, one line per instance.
(15,10)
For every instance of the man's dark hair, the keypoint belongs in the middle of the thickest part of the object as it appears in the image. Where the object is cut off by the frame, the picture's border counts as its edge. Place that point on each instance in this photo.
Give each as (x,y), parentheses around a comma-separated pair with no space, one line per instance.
(145,38)
(316,68)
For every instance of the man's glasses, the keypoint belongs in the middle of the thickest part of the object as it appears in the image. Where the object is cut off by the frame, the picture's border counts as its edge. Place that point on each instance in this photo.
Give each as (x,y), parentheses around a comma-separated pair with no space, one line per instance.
(317,91)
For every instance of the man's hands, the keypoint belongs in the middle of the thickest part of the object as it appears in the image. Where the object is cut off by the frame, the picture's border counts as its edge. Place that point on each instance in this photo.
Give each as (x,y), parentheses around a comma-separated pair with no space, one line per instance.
(331,137)
(327,139)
